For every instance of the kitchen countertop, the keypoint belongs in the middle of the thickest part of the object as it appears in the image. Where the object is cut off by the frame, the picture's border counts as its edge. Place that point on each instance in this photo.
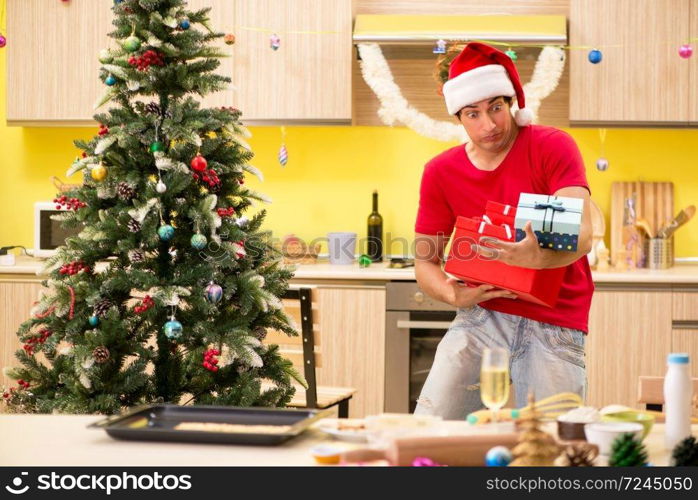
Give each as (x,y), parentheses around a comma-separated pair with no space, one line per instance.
(679,274)
(49,440)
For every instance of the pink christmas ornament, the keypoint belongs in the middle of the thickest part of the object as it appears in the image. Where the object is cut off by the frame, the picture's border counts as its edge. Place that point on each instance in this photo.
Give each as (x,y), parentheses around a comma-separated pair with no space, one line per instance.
(685,51)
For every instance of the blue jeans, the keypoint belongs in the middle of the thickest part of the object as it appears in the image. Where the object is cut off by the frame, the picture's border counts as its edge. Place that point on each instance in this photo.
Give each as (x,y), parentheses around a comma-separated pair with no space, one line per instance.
(544,358)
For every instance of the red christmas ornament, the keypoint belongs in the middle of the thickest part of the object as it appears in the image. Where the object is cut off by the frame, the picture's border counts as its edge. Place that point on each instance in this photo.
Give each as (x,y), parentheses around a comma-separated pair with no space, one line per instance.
(210,360)
(103,130)
(199,163)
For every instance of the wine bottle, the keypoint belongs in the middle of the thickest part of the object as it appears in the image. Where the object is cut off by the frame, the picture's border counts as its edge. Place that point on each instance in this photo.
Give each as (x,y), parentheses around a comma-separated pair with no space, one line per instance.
(375,232)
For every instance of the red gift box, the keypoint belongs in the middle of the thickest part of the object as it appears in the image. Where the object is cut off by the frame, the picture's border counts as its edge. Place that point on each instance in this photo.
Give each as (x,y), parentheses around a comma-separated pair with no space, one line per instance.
(499,213)
(540,286)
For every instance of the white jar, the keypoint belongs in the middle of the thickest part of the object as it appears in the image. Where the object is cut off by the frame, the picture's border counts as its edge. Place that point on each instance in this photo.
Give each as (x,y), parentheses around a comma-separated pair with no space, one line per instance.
(677,399)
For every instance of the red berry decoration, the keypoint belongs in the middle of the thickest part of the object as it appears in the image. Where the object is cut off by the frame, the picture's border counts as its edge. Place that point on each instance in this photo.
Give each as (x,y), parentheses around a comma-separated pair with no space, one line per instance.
(74,268)
(103,130)
(29,347)
(72,203)
(225,212)
(210,360)
(145,304)
(148,59)
(199,163)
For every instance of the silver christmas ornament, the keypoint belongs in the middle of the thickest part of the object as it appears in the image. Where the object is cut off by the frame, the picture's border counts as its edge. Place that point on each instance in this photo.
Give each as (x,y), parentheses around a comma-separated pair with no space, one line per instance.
(160,187)
(602,164)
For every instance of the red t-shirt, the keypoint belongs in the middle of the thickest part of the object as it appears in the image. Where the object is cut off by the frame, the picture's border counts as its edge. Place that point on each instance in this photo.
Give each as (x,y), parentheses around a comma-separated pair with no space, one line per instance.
(542,160)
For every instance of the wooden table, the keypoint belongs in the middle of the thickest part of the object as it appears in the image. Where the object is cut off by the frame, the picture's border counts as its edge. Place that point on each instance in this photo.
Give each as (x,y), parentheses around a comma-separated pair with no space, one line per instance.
(49,440)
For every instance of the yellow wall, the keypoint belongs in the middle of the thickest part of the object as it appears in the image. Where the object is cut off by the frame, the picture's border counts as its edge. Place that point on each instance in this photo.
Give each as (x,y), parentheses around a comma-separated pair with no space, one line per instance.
(327,183)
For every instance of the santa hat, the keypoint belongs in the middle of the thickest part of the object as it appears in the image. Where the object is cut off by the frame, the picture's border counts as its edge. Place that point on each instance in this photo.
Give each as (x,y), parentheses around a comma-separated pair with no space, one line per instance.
(481,72)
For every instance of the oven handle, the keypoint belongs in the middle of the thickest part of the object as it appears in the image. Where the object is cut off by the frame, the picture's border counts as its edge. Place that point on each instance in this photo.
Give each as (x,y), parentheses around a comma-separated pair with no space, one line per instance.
(443,325)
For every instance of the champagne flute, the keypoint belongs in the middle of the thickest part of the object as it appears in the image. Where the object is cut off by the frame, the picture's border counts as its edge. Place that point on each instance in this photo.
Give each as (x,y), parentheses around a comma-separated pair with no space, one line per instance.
(494,379)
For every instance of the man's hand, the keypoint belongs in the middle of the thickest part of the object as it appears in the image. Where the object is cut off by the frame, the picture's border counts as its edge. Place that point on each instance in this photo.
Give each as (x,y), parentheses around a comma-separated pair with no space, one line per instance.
(524,253)
(463,295)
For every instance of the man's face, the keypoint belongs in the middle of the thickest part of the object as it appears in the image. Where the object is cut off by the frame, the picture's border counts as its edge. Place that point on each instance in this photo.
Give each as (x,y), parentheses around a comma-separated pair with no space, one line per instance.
(488,123)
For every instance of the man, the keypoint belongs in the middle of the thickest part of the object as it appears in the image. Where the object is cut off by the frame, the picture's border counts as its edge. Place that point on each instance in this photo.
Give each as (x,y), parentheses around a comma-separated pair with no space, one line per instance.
(503,158)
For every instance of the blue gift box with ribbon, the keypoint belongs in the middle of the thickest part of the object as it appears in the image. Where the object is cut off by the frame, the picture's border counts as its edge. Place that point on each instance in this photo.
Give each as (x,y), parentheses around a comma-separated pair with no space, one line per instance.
(555,220)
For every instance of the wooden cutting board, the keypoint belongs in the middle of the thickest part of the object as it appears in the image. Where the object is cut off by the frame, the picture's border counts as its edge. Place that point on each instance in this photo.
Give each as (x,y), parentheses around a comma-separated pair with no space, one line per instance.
(654,202)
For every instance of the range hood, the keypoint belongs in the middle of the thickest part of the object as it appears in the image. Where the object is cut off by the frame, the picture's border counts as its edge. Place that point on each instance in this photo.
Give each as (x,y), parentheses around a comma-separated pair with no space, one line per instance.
(426,29)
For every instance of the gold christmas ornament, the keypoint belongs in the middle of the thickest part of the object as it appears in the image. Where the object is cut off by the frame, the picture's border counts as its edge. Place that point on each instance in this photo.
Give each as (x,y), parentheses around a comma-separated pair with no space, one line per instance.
(99,173)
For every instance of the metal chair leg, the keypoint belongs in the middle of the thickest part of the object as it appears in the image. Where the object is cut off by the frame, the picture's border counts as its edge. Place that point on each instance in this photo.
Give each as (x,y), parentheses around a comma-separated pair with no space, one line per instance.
(343,407)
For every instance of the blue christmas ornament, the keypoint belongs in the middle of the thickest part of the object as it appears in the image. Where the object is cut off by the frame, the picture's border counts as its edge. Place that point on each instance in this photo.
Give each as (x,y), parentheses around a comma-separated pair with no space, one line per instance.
(499,456)
(214,293)
(184,24)
(198,241)
(595,56)
(116,2)
(94,320)
(173,329)
(166,232)
(110,80)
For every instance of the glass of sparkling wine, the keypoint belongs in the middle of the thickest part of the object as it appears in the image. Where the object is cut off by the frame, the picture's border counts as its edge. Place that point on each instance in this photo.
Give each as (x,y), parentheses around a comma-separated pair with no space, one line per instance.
(494,379)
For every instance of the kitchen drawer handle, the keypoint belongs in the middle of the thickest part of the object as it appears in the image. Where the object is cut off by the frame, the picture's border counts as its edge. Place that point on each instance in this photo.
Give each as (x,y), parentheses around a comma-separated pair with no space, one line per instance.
(424,324)
(684,325)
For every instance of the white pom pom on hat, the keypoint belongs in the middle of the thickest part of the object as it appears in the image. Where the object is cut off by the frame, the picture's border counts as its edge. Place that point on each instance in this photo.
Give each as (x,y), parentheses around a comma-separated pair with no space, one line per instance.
(481,72)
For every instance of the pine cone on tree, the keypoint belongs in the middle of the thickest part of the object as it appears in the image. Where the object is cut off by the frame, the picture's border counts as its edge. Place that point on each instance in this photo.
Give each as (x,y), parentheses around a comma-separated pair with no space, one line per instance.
(627,452)
(102,306)
(259,332)
(125,191)
(101,354)
(685,453)
(136,256)
(134,226)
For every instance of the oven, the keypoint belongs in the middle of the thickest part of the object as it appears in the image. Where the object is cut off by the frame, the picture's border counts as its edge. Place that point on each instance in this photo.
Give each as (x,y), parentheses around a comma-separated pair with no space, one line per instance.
(415,324)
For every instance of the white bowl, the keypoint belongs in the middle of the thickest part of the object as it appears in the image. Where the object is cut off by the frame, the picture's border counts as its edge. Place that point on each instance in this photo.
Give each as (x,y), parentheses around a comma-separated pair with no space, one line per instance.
(603,434)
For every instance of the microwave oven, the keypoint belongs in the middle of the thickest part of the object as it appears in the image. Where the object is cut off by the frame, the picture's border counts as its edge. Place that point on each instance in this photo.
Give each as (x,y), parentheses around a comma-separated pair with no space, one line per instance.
(48,233)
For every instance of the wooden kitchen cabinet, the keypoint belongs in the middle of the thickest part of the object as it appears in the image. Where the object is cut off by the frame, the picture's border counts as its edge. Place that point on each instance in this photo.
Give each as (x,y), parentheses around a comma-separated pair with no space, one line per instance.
(17,295)
(641,78)
(630,334)
(52,60)
(53,67)
(352,322)
(309,77)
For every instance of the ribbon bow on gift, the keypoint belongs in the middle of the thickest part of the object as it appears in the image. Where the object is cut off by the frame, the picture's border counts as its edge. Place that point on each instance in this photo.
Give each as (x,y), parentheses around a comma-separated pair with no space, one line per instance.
(555,205)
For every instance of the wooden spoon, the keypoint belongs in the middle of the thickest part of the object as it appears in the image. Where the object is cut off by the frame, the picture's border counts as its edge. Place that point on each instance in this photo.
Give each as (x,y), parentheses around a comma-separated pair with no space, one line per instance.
(681,218)
(645,226)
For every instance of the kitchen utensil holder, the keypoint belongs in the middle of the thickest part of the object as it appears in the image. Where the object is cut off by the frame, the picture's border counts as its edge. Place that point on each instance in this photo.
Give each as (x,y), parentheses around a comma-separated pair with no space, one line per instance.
(659,253)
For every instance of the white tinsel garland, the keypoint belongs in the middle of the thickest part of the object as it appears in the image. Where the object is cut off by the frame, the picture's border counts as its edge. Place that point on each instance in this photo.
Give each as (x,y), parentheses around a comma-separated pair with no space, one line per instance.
(395,108)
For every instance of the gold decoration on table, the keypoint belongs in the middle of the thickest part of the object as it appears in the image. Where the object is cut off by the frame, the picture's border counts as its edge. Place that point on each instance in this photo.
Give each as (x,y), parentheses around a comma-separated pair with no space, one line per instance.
(536,447)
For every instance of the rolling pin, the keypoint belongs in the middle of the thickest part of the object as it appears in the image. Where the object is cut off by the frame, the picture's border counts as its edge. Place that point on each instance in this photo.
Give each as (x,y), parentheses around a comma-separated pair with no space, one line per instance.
(464,451)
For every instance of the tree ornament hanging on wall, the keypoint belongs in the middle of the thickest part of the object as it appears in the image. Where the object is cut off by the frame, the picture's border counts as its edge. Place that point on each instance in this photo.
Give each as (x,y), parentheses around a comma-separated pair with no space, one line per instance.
(595,56)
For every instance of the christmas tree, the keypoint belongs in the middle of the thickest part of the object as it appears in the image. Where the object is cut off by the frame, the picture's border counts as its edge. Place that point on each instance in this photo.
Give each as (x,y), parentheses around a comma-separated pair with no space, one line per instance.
(168,289)
(535,447)
(627,451)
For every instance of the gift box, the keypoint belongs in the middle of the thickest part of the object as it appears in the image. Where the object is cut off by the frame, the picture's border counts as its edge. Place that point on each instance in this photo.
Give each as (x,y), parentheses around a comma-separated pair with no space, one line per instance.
(540,286)
(499,213)
(555,220)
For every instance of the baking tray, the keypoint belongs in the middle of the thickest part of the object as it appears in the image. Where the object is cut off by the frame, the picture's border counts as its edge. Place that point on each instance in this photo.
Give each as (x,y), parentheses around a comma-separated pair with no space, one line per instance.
(157,422)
